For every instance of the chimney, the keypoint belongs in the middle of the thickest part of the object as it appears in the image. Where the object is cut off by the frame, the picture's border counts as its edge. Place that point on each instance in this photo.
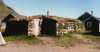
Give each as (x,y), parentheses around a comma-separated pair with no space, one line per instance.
(47,13)
(92,13)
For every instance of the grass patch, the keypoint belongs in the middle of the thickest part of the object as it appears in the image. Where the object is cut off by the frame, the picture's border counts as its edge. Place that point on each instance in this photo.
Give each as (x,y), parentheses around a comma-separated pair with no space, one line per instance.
(54,36)
(64,40)
(94,39)
(67,40)
(98,47)
(23,39)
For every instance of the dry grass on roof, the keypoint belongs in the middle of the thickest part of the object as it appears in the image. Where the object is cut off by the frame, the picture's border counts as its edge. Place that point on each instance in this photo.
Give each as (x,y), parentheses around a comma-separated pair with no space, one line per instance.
(28,18)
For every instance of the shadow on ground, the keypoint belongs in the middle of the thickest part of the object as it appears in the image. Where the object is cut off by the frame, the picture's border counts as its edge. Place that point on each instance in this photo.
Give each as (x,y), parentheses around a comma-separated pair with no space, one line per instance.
(9,34)
(92,33)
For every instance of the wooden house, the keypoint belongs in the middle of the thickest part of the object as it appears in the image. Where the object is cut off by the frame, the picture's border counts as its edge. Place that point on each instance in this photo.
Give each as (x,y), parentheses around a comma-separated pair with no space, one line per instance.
(91,22)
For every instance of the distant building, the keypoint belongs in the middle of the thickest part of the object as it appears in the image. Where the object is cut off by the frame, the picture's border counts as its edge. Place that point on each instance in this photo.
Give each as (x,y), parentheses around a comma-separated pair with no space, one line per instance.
(91,22)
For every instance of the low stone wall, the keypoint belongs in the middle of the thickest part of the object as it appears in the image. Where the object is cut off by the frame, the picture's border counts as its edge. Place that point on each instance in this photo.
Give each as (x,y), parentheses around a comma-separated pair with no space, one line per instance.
(66,27)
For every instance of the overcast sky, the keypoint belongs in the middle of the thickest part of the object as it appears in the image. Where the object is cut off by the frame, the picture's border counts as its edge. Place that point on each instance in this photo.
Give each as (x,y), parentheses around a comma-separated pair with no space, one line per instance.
(64,8)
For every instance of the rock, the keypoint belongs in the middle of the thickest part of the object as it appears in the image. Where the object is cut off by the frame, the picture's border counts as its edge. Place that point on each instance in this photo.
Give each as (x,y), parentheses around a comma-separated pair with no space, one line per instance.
(2,41)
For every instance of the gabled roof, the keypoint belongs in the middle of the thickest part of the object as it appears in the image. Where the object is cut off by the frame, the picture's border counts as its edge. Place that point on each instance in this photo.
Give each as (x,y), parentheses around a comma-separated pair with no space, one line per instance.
(84,14)
(14,16)
(8,18)
(98,19)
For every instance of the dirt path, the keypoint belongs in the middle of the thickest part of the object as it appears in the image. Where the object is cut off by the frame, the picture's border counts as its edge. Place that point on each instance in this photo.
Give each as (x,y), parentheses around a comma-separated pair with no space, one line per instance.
(19,47)
(78,36)
(39,48)
(47,40)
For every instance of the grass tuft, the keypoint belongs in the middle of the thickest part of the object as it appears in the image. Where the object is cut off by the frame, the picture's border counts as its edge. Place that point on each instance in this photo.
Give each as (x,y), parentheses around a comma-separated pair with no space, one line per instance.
(23,39)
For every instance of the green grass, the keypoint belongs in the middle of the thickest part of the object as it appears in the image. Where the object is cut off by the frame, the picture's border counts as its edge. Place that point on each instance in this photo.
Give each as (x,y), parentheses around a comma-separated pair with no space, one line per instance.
(23,39)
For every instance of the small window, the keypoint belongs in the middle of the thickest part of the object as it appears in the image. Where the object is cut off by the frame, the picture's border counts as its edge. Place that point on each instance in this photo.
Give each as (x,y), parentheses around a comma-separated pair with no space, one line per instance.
(71,25)
(88,24)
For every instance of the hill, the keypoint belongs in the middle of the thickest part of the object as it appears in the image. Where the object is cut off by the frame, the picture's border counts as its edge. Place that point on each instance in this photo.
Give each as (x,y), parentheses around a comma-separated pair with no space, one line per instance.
(5,10)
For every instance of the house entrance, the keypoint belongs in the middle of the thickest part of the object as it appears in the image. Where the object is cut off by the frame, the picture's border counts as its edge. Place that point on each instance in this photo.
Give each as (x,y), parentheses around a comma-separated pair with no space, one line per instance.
(48,26)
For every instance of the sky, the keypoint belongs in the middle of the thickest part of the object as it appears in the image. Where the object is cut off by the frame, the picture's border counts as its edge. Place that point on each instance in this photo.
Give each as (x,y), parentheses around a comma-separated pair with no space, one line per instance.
(63,8)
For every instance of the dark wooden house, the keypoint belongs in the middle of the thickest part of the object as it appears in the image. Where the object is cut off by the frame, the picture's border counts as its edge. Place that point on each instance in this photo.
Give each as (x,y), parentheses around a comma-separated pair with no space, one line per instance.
(13,26)
(91,22)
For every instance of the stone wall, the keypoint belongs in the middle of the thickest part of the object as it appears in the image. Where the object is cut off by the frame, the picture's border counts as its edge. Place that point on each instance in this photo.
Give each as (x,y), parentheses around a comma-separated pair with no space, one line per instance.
(70,26)
(34,27)
(65,27)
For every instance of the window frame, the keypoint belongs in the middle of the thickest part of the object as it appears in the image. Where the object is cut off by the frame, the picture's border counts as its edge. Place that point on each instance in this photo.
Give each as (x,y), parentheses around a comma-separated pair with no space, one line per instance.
(89,24)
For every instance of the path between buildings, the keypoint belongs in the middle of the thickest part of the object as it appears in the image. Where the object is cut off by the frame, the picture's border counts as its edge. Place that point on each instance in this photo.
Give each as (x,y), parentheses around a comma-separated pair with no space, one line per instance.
(13,47)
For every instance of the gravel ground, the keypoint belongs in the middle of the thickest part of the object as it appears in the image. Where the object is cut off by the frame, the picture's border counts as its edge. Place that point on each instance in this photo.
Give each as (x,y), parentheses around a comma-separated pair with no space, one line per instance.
(19,47)
(40,48)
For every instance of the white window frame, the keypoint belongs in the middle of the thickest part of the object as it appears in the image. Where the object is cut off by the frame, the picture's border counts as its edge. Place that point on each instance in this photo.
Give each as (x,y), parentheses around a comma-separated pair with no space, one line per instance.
(89,24)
